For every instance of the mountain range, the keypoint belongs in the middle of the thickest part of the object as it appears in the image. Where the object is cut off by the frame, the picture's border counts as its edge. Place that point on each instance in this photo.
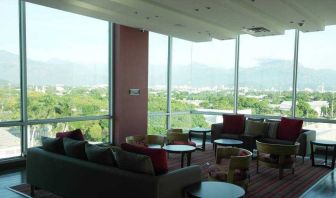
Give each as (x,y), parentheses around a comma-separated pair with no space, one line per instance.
(269,73)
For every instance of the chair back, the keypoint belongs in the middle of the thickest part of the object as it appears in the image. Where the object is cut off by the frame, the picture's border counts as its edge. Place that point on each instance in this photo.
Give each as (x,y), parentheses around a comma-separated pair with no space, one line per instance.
(176,136)
(175,130)
(135,139)
(277,149)
(155,139)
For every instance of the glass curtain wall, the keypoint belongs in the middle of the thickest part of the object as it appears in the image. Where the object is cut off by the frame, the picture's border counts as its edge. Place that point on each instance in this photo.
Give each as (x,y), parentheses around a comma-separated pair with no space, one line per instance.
(266,74)
(316,83)
(66,83)
(157,83)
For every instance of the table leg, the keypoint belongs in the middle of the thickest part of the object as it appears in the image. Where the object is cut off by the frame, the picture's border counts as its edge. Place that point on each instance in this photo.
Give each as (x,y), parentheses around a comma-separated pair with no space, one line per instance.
(189,135)
(182,159)
(326,157)
(312,153)
(333,158)
(188,159)
(203,142)
(215,147)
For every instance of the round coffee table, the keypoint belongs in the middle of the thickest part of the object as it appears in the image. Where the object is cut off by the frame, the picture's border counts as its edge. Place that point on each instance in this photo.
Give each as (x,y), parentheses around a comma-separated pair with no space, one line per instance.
(183,149)
(204,131)
(226,142)
(326,144)
(213,189)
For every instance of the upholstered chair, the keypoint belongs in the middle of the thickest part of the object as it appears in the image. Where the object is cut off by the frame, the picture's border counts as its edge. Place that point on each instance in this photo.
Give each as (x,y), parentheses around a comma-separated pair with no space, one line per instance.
(279,156)
(176,137)
(146,140)
(232,166)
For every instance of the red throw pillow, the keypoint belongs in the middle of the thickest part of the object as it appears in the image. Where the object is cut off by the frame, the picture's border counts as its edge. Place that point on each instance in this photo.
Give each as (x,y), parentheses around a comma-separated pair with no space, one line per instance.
(157,155)
(233,124)
(289,129)
(75,134)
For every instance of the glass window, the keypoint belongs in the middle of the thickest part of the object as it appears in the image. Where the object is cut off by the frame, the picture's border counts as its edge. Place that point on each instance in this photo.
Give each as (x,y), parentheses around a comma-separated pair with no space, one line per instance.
(9,61)
(266,74)
(157,125)
(67,64)
(10,142)
(95,131)
(316,83)
(157,72)
(324,131)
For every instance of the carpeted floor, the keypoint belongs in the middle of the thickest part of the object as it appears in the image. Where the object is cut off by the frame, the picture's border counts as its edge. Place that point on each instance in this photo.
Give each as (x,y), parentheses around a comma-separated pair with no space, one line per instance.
(264,184)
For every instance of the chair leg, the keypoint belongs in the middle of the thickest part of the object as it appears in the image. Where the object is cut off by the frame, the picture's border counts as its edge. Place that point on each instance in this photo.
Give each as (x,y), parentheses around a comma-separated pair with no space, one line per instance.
(32,190)
(303,159)
(293,170)
(280,173)
(257,166)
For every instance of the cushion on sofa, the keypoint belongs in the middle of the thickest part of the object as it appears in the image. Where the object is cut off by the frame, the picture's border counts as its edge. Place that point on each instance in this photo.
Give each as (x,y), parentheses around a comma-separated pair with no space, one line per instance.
(157,155)
(255,128)
(233,124)
(54,145)
(100,154)
(289,129)
(74,148)
(272,129)
(190,143)
(75,134)
(134,162)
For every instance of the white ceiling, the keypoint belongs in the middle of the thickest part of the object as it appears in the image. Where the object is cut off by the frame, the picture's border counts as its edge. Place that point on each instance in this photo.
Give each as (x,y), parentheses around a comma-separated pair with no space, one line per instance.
(202,20)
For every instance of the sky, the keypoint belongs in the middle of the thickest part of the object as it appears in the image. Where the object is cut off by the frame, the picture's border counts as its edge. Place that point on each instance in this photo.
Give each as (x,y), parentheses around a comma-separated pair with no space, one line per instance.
(54,34)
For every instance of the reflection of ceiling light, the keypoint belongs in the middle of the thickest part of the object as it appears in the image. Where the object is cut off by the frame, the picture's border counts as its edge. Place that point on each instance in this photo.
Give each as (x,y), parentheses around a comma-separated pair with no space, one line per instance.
(254,30)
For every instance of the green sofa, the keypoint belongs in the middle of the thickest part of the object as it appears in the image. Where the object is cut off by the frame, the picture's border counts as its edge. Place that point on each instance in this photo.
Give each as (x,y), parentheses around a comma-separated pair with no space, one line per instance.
(249,142)
(70,177)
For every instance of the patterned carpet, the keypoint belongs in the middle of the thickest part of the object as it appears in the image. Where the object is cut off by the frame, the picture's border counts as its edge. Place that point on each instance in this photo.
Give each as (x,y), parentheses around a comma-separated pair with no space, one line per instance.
(266,183)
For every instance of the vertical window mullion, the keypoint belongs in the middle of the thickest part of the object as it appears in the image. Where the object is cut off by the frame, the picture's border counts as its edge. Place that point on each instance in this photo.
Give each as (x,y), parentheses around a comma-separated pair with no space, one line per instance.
(23,74)
(169,81)
(236,75)
(110,79)
(295,70)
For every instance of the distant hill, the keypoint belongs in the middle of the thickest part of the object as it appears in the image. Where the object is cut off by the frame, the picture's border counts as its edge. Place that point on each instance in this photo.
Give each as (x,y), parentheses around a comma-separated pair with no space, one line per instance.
(267,74)
(51,72)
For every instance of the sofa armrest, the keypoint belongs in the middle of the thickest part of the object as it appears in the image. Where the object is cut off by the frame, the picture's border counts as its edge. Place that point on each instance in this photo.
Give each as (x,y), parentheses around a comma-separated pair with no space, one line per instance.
(216,130)
(304,139)
(173,183)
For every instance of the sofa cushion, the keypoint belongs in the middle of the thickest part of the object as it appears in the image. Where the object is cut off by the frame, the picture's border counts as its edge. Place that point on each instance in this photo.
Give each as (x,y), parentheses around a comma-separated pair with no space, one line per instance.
(272,129)
(157,155)
(230,136)
(190,143)
(75,134)
(233,124)
(289,129)
(74,148)
(54,145)
(276,141)
(255,128)
(100,154)
(134,162)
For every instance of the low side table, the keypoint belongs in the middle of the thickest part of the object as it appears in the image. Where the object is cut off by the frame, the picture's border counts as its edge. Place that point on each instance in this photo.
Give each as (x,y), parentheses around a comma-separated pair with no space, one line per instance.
(326,144)
(183,149)
(213,189)
(226,142)
(198,130)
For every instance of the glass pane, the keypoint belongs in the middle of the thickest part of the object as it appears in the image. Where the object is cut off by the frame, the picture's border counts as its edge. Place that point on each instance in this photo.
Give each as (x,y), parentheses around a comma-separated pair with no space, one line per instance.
(95,131)
(324,131)
(10,142)
(316,74)
(67,66)
(266,74)
(183,121)
(157,125)
(212,79)
(9,61)
(181,75)
(157,72)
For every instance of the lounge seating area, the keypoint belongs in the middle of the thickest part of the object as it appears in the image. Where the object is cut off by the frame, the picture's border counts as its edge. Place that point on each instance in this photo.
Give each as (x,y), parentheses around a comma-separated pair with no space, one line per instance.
(167,98)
